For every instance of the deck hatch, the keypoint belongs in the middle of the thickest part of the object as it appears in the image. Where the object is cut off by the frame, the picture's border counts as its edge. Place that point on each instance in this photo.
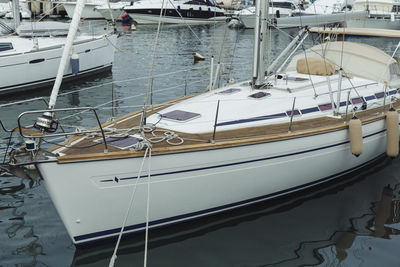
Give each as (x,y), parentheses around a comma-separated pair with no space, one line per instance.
(121,142)
(259,95)
(180,115)
(229,91)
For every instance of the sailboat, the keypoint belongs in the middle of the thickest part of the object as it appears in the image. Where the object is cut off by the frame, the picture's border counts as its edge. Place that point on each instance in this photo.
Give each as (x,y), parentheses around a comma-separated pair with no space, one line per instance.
(34,50)
(305,120)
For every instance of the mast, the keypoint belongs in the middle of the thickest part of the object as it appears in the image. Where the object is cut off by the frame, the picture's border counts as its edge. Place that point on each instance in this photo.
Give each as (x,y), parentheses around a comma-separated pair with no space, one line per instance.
(16,16)
(260,42)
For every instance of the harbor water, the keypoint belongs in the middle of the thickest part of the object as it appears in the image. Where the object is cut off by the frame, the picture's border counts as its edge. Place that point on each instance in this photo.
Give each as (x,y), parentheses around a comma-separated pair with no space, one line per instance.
(352,221)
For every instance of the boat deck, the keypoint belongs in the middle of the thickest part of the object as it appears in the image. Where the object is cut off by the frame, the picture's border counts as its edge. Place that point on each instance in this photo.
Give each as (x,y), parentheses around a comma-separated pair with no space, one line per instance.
(88,148)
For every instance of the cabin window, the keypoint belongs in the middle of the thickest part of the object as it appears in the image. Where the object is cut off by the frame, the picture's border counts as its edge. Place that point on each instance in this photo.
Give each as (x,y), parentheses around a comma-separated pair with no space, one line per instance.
(6,46)
(282,5)
(296,112)
(309,110)
(370,97)
(379,95)
(325,107)
(396,8)
(195,2)
(357,100)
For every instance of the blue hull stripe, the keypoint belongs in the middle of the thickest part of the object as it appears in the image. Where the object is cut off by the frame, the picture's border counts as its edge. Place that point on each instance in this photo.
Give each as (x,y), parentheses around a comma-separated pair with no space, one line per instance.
(241,162)
(228,206)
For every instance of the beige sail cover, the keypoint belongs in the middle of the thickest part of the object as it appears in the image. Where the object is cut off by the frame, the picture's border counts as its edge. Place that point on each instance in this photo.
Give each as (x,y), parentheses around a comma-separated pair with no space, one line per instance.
(356,59)
(315,66)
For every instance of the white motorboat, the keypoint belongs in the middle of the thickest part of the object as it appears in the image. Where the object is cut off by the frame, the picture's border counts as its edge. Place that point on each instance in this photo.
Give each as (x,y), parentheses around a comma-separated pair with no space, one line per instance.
(116,8)
(277,9)
(383,14)
(320,7)
(177,11)
(35,51)
(89,11)
(98,9)
(6,9)
(332,110)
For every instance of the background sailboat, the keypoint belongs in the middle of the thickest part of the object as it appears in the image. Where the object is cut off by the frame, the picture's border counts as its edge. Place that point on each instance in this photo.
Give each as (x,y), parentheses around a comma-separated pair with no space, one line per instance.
(36,52)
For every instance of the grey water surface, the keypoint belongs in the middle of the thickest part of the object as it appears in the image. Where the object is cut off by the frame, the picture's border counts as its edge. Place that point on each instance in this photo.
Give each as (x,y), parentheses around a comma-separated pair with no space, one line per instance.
(353,221)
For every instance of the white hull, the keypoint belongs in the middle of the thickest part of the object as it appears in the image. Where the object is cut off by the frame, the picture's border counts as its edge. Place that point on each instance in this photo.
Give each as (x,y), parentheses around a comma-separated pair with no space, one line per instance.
(178,12)
(92,197)
(117,13)
(89,11)
(153,19)
(40,66)
(374,23)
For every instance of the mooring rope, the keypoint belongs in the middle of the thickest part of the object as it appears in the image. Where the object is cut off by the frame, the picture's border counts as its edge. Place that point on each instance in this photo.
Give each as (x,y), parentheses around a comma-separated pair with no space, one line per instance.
(146,240)
(114,256)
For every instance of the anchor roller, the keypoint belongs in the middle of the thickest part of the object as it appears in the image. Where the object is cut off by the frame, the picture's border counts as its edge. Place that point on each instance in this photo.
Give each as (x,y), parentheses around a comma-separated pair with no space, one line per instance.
(356,139)
(392,133)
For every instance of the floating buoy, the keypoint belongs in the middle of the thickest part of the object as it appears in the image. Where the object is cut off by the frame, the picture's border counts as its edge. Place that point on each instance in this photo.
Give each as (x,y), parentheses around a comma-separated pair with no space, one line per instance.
(392,133)
(133,27)
(197,57)
(75,64)
(356,139)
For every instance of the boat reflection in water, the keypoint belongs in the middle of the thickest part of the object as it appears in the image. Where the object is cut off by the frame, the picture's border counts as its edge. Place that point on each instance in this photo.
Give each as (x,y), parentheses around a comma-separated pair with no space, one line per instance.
(346,222)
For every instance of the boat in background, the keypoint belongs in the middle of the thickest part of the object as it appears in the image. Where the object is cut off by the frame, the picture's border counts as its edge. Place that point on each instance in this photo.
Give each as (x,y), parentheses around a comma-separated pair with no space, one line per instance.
(89,11)
(116,8)
(277,9)
(30,57)
(6,9)
(300,18)
(320,7)
(383,14)
(177,11)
